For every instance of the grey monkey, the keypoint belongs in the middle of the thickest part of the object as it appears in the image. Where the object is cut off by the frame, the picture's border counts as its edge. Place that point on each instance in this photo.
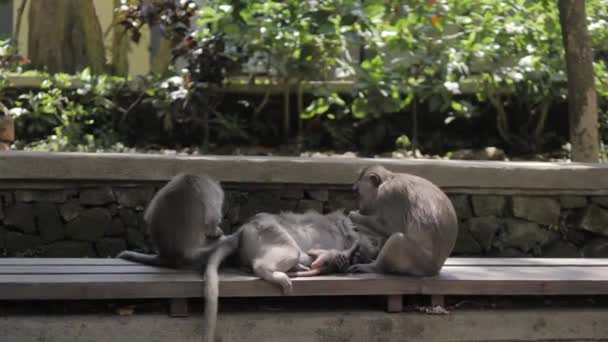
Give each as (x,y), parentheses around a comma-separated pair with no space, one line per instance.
(182,217)
(414,217)
(306,244)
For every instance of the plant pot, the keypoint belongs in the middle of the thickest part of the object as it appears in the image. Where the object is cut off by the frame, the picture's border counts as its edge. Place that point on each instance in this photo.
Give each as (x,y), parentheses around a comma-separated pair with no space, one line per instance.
(7,132)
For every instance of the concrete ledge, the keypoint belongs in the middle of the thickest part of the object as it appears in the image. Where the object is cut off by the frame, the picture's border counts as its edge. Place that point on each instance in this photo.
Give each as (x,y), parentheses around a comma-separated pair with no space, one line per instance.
(359,326)
(450,175)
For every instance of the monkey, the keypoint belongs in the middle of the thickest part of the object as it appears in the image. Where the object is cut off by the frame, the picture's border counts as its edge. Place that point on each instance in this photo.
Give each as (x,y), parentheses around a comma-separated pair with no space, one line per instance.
(183,219)
(278,247)
(415,220)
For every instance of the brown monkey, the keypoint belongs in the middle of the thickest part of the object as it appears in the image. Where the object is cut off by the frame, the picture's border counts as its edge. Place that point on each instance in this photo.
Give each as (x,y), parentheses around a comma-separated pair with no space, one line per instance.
(413,215)
(181,217)
(286,245)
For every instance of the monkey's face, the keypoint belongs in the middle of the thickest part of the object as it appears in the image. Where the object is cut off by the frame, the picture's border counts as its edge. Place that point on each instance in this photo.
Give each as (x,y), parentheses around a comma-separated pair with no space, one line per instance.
(367,192)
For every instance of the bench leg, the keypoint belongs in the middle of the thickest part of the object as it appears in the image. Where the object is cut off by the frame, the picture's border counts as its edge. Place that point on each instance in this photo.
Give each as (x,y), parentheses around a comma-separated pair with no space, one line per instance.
(438,300)
(178,307)
(394,303)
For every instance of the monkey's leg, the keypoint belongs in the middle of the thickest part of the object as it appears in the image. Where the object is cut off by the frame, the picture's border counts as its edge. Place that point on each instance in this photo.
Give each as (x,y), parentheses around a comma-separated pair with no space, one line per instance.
(399,255)
(273,264)
(265,272)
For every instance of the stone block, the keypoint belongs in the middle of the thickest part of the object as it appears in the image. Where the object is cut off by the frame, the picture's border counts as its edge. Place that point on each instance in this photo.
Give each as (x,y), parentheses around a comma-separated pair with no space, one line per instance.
(69,249)
(542,210)
(70,210)
(110,247)
(21,217)
(136,239)
(319,195)
(128,217)
(90,225)
(134,197)
(484,230)
(49,223)
(488,205)
(602,201)
(573,202)
(461,206)
(48,196)
(116,228)
(594,219)
(346,200)
(18,243)
(465,243)
(99,196)
(524,235)
(6,198)
(304,205)
(561,249)
(292,193)
(596,248)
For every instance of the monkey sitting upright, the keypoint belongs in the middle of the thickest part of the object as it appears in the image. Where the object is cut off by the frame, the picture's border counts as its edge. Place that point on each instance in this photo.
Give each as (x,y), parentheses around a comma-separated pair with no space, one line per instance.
(416,219)
(182,217)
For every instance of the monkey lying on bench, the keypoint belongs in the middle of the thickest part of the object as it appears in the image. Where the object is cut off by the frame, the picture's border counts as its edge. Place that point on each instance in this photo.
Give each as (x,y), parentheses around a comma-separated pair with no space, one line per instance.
(279,246)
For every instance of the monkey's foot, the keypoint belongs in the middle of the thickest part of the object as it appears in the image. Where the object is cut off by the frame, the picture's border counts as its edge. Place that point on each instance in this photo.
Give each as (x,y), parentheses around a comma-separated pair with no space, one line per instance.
(362,268)
(282,279)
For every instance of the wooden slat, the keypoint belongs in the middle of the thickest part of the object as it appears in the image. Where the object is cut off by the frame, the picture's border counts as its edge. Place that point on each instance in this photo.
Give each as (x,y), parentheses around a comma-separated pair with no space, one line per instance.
(461,280)
(64,261)
(580,262)
(94,269)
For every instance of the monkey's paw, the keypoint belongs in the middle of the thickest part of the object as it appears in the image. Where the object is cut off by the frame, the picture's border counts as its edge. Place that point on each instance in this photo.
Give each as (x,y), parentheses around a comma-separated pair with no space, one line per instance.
(342,263)
(362,268)
(286,285)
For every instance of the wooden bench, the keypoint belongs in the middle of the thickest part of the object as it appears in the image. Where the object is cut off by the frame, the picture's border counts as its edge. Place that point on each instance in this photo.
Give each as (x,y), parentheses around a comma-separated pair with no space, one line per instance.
(62,279)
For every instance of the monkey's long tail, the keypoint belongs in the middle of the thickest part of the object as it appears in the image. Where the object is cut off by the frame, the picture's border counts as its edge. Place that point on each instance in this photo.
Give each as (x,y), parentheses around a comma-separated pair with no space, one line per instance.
(225,248)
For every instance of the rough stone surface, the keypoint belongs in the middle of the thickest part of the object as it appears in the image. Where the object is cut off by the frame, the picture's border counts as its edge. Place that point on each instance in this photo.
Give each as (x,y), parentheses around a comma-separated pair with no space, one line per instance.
(110,247)
(465,243)
(113,209)
(484,230)
(265,202)
(293,193)
(20,244)
(20,216)
(3,232)
(305,205)
(136,239)
(69,249)
(488,205)
(134,197)
(319,195)
(342,200)
(541,210)
(524,235)
(98,196)
(116,228)
(594,219)
(561,249)
(461,206)
(90,225)
(597,248)
(70,210)
(1,213)
(128,217)
(7,198)
(602,201)
(49,222)
(52,196)
(573,202)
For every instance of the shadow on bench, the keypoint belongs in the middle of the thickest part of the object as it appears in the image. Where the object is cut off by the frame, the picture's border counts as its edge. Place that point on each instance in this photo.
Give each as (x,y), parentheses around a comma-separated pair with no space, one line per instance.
(79,278)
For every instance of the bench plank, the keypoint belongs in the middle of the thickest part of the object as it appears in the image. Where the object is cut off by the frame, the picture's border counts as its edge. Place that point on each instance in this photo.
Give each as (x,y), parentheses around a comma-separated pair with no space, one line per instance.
(453,280)
(455,261)
(88,269)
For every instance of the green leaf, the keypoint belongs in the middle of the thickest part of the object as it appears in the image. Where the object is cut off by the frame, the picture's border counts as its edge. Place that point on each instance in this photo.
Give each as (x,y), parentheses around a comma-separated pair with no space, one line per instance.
(359,108)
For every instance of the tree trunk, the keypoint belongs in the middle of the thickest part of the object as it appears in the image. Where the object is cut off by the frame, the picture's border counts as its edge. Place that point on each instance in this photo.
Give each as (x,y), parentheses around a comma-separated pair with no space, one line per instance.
(65,36)
(120,46)
(162,59)
(582,97)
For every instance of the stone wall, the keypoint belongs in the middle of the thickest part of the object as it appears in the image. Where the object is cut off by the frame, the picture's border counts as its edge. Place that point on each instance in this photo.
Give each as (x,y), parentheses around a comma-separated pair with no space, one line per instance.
(99,220)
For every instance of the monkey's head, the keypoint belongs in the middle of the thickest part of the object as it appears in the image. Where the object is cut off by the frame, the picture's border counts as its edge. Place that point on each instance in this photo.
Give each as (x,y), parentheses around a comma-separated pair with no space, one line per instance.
(366,187)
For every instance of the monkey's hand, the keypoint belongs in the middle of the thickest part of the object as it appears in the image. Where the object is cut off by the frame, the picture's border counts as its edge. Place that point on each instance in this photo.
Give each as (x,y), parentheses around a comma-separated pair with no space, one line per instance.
(363,268)
(342,262)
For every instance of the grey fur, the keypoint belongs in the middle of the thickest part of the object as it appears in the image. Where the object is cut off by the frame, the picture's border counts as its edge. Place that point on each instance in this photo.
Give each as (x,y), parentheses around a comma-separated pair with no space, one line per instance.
(414,217)
(182,217)
(273,245)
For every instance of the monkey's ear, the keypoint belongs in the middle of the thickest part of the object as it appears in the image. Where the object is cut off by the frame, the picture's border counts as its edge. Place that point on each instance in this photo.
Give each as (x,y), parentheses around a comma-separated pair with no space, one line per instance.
(375,179)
